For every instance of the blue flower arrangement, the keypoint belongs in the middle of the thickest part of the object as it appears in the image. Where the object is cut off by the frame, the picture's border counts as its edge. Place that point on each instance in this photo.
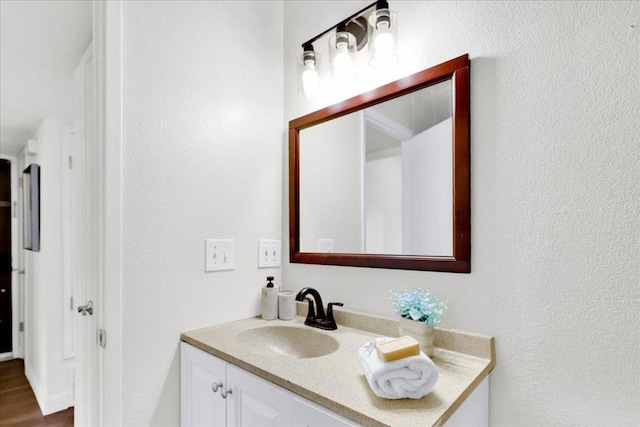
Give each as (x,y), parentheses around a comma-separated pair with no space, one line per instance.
(419,305)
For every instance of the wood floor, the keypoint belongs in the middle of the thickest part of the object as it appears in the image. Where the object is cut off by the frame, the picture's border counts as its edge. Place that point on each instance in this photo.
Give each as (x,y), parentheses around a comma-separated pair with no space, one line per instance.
(18,405)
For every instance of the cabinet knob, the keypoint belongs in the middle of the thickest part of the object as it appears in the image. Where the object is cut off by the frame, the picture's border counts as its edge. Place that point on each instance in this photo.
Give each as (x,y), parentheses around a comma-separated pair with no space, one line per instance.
(215,387)
(226,391)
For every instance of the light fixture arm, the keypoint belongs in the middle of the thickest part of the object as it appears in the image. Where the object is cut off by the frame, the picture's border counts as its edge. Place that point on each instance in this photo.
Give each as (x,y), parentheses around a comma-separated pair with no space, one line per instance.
(378,4)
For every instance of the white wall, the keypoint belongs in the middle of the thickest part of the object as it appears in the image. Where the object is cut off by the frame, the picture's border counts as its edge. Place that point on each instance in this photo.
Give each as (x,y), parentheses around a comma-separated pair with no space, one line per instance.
(555,200)
(383,201)
(427,192)
(45,365)
(202,144)
(327,160)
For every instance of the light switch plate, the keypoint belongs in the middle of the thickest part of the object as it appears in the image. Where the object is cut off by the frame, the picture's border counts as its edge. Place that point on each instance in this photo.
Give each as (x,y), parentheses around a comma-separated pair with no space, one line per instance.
(219,254)
(269,253)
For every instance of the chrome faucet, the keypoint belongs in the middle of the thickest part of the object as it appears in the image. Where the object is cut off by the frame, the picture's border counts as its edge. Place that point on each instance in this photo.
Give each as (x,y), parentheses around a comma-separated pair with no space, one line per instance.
(318,320)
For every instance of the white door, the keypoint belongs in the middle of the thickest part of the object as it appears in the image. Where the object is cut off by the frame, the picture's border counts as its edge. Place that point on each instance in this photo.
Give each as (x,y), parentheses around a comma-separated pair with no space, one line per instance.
(201,374)
(256,402)
(71,204)
(87,262)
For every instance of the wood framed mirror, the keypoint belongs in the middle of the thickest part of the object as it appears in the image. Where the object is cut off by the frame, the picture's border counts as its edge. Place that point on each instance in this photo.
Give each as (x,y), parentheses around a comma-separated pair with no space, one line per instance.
(382,179)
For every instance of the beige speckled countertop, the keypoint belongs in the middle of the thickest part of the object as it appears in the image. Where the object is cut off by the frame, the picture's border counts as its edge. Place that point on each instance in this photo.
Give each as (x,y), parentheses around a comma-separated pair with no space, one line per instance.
(336,381)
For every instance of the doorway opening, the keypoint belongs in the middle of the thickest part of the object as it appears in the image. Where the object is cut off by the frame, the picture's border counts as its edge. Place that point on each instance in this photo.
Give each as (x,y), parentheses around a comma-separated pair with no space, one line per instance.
(6,268)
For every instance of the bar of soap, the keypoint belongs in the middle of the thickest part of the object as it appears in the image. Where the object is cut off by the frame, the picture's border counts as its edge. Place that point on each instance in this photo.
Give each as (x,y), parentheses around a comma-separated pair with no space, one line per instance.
(398,348)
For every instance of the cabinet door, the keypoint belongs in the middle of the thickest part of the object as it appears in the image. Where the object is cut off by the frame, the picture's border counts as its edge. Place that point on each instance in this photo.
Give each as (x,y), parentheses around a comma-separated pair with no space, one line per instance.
(256,402)
(199,405)
(308,414)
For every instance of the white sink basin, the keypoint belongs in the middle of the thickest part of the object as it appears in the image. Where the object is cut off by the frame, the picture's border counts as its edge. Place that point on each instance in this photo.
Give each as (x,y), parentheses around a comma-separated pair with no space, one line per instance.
(292,342)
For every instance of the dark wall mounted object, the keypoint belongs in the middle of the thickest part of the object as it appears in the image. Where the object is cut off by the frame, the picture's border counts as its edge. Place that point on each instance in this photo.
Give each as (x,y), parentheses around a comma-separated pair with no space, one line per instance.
(456,70)
(31,207)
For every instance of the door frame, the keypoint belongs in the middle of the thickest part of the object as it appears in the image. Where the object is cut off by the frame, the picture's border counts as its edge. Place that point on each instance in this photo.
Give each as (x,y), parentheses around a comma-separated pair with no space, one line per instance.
(103,384)
(109,54)
(17,288)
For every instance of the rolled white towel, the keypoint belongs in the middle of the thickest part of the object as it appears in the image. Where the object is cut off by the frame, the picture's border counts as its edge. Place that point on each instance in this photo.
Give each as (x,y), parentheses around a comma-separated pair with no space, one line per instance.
(412,377)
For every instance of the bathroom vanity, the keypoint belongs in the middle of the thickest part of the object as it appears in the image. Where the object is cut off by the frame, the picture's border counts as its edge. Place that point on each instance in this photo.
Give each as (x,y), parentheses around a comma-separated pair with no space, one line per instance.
(242,399)
(254,372)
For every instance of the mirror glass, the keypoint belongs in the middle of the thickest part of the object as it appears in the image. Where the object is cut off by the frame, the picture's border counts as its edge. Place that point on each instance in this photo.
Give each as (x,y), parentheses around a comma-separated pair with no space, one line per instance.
(382,179)
(379,180)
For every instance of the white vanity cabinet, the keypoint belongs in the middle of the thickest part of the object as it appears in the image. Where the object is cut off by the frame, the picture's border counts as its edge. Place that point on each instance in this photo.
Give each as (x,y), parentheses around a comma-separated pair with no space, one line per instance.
(199,404)
(309,414)
(255,402)
(249,401)
(461,397)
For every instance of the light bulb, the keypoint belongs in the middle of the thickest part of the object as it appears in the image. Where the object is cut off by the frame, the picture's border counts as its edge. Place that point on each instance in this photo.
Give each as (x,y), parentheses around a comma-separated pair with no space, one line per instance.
(310,79)
(383,43)
(342,61)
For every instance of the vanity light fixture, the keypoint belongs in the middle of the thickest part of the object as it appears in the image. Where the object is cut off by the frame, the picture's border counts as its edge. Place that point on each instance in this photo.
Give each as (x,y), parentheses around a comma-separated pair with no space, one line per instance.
(374,26)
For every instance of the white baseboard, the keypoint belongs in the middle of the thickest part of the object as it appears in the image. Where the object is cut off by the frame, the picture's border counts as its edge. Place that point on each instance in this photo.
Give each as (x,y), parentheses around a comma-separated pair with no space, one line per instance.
(48,404)
(6,356)
(34,382)
(56,403)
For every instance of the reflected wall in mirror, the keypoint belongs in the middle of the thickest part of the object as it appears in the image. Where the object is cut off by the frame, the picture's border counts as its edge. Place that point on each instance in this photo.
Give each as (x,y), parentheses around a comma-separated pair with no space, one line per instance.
(392,165)
(382,179)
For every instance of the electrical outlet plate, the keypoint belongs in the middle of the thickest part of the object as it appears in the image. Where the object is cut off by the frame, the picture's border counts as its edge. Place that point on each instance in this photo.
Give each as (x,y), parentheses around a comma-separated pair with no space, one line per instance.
(219,254)
(325,245)
(269,253)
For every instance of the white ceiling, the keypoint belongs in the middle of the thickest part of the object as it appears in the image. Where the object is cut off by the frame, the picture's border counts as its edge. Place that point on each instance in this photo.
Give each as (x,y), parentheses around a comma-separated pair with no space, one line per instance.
(41,43)
(417,112)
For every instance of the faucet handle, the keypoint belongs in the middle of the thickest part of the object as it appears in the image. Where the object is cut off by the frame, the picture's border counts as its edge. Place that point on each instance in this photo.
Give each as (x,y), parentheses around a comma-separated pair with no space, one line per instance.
(330,310)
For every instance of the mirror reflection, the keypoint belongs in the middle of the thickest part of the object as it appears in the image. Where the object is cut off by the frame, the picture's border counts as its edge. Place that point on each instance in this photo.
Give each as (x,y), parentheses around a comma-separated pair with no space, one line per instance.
(380,180)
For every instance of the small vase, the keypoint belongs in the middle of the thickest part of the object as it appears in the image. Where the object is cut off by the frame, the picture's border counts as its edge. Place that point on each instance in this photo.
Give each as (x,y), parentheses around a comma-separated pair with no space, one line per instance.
(420,332)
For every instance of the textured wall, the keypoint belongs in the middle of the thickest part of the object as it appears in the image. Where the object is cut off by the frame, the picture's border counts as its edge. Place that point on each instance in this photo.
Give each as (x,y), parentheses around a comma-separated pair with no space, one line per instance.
(202,158)
(555,198)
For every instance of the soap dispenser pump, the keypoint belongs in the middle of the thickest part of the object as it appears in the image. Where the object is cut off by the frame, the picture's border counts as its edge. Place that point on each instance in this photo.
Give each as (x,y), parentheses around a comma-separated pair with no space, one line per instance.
(270,300)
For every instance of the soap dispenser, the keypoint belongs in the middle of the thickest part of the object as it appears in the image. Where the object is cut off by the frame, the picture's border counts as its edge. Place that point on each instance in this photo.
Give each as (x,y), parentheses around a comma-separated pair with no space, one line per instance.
(270,300)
